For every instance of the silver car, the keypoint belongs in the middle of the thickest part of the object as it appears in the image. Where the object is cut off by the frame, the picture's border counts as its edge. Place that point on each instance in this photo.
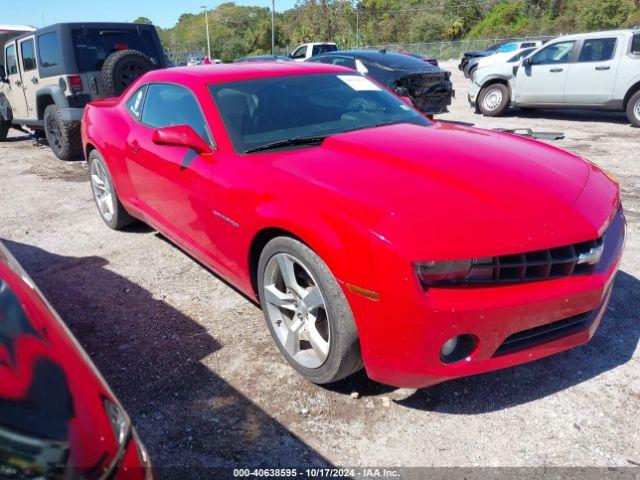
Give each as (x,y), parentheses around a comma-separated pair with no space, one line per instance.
(599,70)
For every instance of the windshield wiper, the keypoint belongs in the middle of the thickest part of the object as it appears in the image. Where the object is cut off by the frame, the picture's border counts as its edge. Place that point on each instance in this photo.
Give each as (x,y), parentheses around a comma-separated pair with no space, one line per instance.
(313,140)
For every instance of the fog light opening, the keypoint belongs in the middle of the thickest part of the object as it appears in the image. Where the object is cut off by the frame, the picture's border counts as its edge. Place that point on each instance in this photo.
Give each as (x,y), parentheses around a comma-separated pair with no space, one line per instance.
(457,348)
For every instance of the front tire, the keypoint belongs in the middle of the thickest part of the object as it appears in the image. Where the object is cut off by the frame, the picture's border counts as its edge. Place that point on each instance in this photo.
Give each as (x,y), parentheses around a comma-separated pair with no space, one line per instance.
(104,194)
(494,100)
(63,137)
(306,312)
(633,109)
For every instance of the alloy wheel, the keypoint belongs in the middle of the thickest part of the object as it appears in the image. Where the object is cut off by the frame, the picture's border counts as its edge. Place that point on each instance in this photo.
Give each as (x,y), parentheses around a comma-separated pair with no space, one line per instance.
(492,99)
(54,135)
(636,109)
(101,187)
(297,310)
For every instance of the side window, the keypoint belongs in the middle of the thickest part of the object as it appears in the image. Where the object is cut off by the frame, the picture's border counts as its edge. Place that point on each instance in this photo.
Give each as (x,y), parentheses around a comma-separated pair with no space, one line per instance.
(12,65)
(300,53)
(168,105)
(556,53)
(344,62)
(28,56)
(597,50)
(635,44)
(527,44)
(319,49)
(521,55)
(135,103)
(49,50)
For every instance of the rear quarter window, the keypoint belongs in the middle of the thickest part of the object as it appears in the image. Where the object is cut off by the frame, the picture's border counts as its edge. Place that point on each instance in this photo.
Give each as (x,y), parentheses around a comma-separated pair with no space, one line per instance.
(49,50)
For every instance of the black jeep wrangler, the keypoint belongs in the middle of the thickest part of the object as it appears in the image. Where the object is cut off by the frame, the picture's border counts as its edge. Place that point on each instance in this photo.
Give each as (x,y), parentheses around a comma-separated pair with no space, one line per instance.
(49,75)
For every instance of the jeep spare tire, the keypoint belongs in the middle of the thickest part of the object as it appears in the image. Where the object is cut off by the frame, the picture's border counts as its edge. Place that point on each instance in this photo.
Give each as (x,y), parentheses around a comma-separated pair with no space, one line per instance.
(121,69)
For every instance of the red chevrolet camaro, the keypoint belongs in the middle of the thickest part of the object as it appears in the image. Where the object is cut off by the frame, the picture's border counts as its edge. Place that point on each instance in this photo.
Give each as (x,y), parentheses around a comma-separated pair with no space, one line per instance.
(369,234)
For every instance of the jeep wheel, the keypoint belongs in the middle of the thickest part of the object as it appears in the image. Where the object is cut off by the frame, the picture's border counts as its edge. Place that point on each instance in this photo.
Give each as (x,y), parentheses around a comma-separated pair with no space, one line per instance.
(121,69)
(63,137)
(633,109)
(493,100)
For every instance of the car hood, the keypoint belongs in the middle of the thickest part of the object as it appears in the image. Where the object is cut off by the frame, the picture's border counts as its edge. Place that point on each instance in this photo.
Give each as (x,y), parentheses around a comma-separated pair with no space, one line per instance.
(504,192)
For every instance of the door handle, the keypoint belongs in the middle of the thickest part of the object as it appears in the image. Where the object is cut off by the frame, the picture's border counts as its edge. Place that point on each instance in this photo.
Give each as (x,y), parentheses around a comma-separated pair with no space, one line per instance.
(134,146)
(603,68)
(555,70)
(34,80)
(18,83)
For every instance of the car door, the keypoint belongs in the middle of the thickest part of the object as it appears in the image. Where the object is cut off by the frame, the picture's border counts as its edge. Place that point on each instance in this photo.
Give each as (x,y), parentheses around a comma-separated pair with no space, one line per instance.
(591,79)
(16,94)
(30,77)
(172,184)
(541,78)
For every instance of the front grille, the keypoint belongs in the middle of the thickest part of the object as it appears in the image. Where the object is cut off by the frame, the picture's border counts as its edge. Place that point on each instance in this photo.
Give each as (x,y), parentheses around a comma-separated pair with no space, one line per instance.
(578,259)
(546,333)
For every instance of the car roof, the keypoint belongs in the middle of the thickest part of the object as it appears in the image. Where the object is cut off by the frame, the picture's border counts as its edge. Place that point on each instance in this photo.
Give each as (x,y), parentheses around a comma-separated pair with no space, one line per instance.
(67,26)
(606,33)
(230,72)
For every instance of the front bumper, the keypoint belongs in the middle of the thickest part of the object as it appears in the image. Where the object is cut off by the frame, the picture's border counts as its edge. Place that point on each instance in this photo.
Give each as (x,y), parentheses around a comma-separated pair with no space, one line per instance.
(474,91)
(401,335)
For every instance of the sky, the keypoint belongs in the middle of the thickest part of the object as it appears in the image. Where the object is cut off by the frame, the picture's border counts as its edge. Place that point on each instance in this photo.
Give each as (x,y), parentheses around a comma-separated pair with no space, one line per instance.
(163,13)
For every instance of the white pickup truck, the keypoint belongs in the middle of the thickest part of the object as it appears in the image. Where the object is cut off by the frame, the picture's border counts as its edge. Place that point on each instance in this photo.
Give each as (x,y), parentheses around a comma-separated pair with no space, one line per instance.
(308,50)
(598,70)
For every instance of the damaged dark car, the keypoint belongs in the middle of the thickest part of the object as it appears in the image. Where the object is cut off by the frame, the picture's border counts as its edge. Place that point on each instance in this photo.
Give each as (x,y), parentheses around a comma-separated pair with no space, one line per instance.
(429,87)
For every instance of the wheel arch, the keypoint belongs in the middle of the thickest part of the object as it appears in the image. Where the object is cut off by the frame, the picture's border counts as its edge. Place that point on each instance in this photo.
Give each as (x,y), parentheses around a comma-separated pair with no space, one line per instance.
(49,96)
(330,243)
(630,92)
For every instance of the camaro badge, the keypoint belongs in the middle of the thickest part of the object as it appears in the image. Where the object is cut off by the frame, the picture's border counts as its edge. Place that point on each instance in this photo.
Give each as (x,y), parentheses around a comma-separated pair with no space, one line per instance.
(592,257)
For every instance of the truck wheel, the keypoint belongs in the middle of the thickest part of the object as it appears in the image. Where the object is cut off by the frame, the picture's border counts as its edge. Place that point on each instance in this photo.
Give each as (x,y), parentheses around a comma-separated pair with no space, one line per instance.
(4,130)
(633,109)
(494,100)
(307,313)
(121,69)
(63,137)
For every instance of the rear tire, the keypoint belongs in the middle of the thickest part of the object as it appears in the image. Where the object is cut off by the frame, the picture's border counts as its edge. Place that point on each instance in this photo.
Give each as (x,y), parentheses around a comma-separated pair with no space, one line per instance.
(324,347)
(104,194)
(633,109)
(494,100)
(63,137)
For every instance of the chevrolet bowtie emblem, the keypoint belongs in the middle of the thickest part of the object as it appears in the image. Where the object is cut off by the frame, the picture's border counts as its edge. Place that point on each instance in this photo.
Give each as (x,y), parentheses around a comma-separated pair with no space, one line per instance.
(591,257)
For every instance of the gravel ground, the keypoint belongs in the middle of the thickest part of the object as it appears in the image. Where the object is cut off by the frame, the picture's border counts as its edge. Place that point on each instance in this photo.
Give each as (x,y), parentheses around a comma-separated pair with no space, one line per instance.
(193,363)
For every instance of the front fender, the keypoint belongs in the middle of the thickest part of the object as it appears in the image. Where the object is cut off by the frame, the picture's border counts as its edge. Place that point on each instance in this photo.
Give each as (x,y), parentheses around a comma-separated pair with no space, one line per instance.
(341,243)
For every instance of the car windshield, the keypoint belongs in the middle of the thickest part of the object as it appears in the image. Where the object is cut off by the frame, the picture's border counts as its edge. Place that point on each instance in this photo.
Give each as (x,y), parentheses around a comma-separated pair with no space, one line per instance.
(92,46)
(269,111)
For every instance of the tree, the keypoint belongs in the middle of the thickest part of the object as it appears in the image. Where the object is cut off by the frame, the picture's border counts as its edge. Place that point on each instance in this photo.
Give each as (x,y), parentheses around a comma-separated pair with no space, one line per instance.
(143,20)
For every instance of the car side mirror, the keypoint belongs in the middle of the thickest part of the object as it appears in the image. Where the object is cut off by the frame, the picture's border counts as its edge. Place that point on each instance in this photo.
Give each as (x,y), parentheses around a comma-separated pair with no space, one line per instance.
(3,75)
(181,136)
(527,62)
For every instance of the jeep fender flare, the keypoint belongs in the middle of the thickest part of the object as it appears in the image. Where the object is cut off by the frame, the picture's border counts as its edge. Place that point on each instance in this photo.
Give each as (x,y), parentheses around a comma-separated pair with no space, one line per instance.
(53,93)
(6,114)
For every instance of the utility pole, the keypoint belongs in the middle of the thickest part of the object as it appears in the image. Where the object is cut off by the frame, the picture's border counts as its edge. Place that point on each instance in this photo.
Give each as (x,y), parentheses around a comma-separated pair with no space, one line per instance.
(273,27)
(206,20)
(357,27)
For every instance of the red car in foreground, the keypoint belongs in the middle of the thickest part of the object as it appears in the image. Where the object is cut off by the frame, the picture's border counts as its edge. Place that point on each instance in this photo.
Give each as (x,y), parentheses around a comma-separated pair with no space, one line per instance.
(370,235)
(58,417)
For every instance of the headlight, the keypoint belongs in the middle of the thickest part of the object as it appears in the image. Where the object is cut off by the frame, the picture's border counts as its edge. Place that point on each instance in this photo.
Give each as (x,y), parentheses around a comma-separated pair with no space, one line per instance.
(119,421)
(451,272)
